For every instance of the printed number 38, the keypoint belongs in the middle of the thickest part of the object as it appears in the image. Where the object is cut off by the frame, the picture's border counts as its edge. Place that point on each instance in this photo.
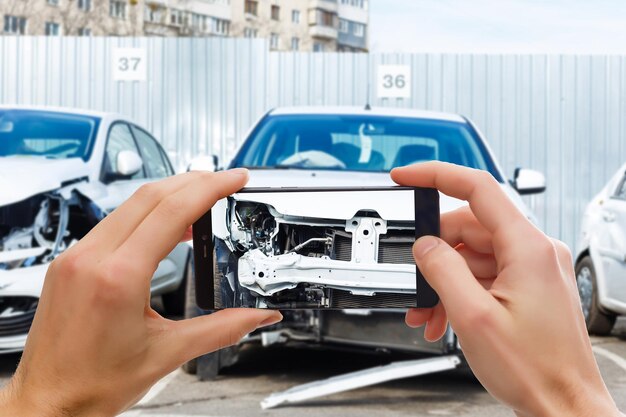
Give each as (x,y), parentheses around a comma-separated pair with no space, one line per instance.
(129,64)
(389,81)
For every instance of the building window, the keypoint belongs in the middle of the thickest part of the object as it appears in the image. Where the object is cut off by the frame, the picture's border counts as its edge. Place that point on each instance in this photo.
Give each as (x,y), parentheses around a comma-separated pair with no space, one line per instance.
(250,33)
(14,25)
(84,32)
(274,41)
(295,16)
(344,26)
(53,29)
(358,29)
(275,12)
(53,2)
(177,17)
(154,14)
(356,3)
(220,26)
(252,7)
(117,9)
(84,5)
(318,47)
(325,18)
(295,44)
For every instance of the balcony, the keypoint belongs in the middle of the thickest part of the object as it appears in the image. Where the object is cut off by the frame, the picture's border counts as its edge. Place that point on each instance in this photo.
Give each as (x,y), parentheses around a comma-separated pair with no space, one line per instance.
(319,31)
(327,5)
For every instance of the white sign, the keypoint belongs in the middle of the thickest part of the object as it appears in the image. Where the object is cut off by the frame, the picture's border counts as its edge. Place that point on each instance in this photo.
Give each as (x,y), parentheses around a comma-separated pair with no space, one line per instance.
(129,64)
(394,81)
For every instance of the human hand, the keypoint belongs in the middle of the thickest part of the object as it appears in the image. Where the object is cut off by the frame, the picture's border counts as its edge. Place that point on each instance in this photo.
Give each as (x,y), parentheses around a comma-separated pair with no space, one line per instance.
(96,346)
(510,294)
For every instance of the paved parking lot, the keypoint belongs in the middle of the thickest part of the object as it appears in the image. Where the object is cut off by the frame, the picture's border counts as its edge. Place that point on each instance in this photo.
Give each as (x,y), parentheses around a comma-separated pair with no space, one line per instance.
(263,371)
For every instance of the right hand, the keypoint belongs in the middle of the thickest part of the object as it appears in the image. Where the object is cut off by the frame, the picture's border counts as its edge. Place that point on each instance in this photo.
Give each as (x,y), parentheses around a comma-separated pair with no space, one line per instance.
(510,294)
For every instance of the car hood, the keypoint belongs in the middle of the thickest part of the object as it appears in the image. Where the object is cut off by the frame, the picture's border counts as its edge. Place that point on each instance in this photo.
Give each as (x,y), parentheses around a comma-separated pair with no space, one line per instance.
(23,177)
(390,205)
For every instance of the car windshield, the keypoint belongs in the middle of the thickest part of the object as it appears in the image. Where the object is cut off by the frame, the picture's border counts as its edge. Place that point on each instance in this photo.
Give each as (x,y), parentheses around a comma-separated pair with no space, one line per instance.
(49,134)
(360,143)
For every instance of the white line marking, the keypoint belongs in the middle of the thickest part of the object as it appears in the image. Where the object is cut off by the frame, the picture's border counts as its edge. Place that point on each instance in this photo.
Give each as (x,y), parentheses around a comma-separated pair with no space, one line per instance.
(158,387)
(619,361)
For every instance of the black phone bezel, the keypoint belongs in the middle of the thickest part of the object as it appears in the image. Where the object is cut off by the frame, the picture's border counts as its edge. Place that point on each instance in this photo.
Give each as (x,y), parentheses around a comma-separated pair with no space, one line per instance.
(426,209)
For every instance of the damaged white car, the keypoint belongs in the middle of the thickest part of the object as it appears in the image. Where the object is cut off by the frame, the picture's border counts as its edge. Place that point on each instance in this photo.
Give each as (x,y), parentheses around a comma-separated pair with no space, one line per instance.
(337,251)
(61,172)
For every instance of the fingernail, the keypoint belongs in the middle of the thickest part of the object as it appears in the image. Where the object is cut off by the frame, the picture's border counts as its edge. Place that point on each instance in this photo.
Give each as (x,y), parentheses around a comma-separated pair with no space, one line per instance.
(423,245)
(273,319)
(238,171)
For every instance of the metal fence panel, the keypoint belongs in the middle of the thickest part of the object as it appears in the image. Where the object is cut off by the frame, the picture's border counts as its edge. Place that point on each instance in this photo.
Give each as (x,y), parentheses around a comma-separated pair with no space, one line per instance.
(560,114)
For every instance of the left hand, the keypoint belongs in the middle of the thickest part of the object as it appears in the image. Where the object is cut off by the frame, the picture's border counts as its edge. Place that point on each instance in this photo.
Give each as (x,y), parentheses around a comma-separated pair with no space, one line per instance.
(96,346)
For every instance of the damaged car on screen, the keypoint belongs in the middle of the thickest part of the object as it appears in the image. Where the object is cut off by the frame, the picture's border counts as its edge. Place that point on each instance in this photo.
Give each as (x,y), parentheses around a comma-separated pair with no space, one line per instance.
(340,253)
(61,172)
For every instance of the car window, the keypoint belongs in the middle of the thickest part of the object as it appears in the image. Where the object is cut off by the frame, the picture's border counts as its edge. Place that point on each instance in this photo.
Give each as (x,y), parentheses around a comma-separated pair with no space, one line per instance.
(120,139)
(360,143)
(153,161)
(620,192)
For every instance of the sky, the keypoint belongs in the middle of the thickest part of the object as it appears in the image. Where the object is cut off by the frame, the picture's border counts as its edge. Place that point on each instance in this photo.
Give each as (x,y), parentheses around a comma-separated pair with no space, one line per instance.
(496,26)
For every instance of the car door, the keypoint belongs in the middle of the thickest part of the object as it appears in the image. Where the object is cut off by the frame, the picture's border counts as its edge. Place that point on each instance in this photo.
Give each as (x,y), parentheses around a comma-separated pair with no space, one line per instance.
(157,166)
(119,189)
(612,242)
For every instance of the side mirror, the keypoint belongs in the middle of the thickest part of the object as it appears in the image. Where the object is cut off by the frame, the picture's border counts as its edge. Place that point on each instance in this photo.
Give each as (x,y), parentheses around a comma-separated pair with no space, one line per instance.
(528,181)
(204,163)
(128,163)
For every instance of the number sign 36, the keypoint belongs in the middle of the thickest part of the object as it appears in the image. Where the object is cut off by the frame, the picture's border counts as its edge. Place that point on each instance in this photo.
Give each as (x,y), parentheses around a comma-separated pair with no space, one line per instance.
(129,64)
(394,81)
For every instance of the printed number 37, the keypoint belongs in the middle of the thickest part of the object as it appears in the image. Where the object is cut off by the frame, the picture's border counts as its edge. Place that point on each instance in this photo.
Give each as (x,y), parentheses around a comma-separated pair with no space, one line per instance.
(129,64)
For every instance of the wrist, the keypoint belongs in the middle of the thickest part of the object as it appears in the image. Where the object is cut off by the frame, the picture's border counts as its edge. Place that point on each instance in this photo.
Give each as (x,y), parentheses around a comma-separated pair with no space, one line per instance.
(581,398)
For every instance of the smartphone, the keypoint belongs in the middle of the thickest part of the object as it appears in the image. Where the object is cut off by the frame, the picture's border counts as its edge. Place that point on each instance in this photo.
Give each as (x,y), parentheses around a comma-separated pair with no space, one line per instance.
(315,248)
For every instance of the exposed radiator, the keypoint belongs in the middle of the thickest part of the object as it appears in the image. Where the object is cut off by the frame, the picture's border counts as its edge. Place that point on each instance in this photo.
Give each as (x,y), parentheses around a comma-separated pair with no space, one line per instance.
(343,299)
(395,251)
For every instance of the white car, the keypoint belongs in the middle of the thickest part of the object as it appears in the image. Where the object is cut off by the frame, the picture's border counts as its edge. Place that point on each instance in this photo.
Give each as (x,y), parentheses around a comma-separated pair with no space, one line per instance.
(62,171)
(309,247)
(601,256)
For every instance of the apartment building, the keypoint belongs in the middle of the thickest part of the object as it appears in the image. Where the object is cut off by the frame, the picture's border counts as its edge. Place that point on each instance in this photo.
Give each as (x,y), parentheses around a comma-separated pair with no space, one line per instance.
(288,25)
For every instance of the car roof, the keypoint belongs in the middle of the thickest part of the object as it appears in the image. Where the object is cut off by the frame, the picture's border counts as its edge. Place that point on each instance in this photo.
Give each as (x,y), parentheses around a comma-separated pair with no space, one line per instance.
(66,110)
(374,111)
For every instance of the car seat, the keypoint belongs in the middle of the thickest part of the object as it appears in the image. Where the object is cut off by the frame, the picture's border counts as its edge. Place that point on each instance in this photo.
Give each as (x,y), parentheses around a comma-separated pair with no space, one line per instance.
(410,154)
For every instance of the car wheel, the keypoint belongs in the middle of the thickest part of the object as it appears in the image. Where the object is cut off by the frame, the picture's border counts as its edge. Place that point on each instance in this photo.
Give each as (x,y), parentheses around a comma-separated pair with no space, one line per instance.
(191,308)
(206,367)
(598,322)
(175,302)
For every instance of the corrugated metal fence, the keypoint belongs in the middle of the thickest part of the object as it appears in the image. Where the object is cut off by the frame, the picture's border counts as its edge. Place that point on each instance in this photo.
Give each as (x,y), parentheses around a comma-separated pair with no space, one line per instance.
(562,115)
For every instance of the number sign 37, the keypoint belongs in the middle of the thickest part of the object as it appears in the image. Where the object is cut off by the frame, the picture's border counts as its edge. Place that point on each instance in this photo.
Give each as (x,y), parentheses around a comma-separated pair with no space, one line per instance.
(129,64)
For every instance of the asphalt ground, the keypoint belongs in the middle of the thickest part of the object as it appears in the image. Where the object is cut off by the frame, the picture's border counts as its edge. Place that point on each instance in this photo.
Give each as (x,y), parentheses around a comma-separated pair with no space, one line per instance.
(262,371)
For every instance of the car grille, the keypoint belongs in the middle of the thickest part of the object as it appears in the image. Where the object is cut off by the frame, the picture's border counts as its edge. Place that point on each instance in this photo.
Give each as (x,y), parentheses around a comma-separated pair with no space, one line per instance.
(344,299)
(16,315)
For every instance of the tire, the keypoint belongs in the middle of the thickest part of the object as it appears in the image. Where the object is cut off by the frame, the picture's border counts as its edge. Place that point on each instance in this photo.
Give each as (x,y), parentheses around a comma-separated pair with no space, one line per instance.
(191,309)
(206,367)
(175,302)
(598,321)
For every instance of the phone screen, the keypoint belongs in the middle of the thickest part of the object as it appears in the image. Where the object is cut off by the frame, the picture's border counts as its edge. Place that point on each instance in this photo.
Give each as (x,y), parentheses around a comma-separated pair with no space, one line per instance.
(315,248)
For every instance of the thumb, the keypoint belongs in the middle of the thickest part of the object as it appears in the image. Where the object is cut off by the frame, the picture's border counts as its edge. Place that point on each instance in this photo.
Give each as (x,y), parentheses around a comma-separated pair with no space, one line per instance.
(447,272)
(200,335)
